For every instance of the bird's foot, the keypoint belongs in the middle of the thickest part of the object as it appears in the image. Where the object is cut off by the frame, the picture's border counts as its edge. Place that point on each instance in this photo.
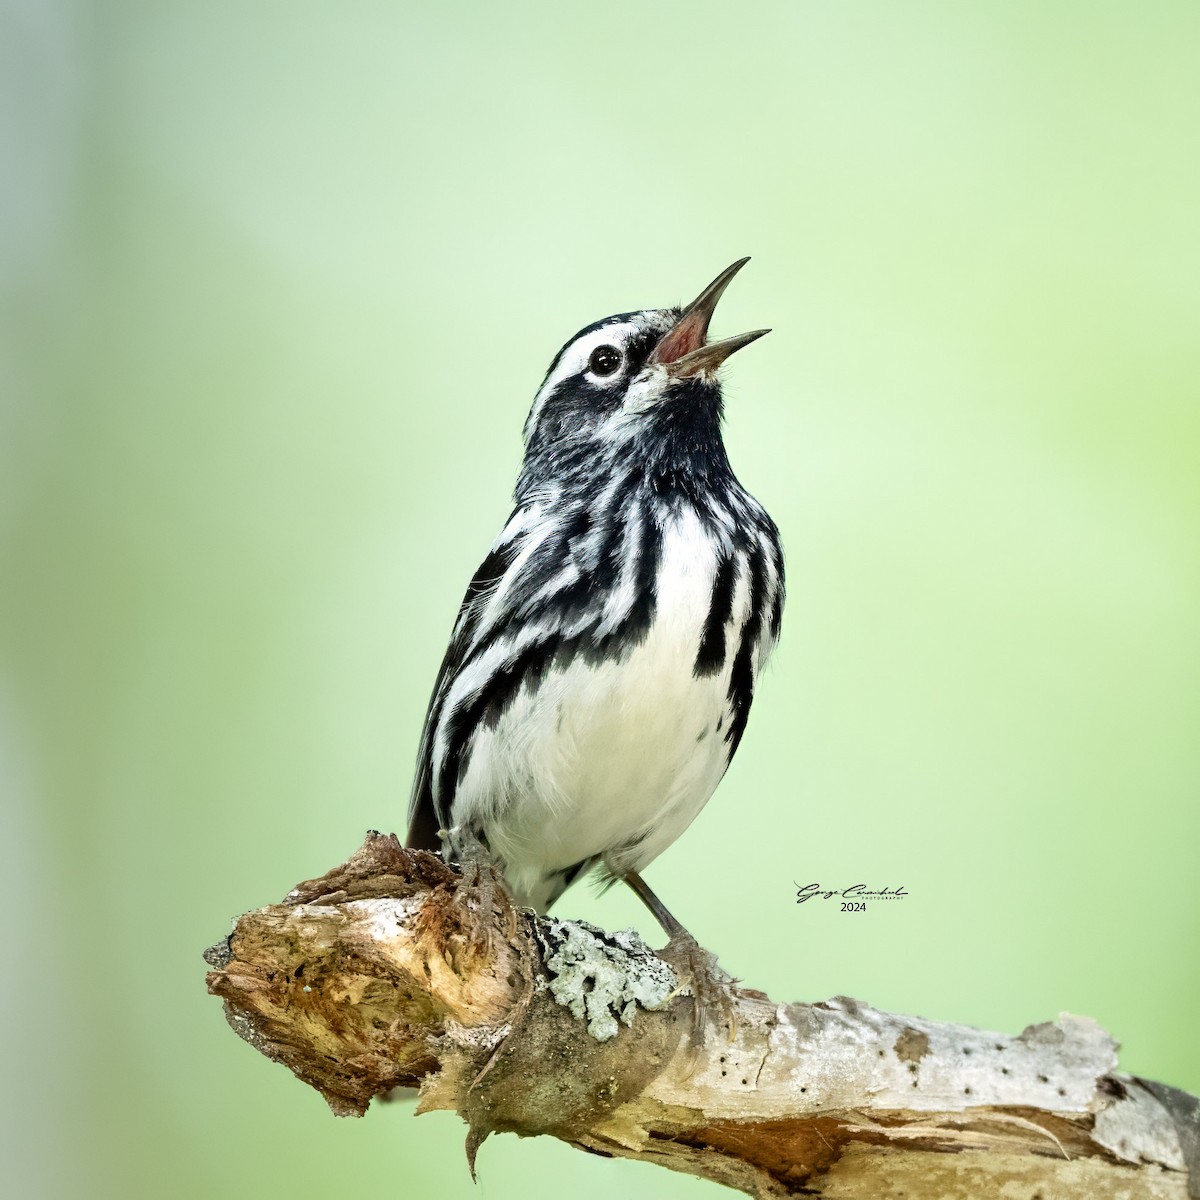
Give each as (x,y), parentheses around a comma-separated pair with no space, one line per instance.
(481,897)
(711,988)
(697,970)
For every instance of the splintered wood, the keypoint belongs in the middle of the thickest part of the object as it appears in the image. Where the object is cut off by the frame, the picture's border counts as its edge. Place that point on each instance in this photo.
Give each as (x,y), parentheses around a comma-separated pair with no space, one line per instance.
(390,971)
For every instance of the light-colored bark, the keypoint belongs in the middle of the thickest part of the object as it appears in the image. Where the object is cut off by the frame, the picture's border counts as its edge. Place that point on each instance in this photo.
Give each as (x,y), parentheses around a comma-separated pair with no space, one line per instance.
(384,974)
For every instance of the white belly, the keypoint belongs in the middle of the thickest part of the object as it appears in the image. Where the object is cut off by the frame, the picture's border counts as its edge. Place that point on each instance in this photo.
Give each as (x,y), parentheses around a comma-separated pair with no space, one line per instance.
(616,759)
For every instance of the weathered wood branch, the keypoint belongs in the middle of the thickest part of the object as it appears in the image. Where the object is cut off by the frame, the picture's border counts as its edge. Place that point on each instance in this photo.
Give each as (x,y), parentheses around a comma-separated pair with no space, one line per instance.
(384,974)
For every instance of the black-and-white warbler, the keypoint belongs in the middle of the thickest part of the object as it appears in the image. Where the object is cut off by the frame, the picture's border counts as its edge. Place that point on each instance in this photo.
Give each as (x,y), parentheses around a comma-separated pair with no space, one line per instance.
(601,670)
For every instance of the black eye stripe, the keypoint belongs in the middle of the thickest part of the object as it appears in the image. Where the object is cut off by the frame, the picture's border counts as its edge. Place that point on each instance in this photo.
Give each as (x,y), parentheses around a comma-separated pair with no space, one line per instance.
(605,360)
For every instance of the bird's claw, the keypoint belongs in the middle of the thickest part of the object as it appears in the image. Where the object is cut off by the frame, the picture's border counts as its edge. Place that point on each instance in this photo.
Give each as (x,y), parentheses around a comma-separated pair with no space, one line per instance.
(711,988)
(480,895)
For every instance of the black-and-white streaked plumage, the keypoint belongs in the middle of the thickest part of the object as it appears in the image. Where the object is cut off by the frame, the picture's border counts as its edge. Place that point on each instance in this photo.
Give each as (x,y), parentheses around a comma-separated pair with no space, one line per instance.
(601,670)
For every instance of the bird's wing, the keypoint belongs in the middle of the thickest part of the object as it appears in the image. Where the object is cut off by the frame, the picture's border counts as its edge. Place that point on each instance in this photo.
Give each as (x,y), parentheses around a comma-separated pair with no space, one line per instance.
(477,615)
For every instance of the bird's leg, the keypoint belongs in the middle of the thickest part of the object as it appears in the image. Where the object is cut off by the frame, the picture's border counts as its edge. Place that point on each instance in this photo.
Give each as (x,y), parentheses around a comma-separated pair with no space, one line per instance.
(480,890)
(696,967)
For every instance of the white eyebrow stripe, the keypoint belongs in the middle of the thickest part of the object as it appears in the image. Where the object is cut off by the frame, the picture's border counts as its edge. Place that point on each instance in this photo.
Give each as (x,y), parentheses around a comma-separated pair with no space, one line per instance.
(575,357)
(576,354)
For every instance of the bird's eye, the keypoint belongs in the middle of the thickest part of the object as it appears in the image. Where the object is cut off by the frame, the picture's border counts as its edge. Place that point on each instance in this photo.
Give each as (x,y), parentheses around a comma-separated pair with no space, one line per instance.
(605,360)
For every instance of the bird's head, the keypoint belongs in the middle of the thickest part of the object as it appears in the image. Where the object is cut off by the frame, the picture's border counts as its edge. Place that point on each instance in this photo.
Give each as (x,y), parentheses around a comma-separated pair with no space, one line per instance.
(636,388)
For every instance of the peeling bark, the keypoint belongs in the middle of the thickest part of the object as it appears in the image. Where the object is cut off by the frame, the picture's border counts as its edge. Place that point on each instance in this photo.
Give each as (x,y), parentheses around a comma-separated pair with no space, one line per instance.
(385,973)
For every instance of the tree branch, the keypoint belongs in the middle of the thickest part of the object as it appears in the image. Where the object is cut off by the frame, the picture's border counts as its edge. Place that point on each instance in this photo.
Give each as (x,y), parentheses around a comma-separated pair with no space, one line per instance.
(384,973)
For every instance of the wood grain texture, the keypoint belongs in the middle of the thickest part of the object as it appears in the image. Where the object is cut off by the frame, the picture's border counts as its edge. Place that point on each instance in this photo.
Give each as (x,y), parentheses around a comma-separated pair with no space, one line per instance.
(391,972)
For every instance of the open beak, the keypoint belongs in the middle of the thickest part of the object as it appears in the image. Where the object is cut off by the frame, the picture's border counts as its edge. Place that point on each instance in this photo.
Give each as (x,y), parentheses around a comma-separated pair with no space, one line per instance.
(683,349)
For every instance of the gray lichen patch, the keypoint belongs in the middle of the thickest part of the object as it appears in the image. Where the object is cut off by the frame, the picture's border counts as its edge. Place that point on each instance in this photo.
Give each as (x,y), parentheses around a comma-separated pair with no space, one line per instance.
(602,977)
(220,955)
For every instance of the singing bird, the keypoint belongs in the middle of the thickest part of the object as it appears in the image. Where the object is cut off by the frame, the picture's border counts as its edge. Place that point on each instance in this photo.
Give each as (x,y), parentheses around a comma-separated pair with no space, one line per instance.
(601,670)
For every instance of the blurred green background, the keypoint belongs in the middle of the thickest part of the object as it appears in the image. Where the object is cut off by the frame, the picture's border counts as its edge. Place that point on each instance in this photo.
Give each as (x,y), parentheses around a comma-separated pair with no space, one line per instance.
(278,284)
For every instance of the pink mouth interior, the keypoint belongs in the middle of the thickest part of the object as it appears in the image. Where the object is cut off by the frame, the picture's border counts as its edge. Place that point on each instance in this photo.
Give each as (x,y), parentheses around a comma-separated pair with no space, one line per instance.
(687,336)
